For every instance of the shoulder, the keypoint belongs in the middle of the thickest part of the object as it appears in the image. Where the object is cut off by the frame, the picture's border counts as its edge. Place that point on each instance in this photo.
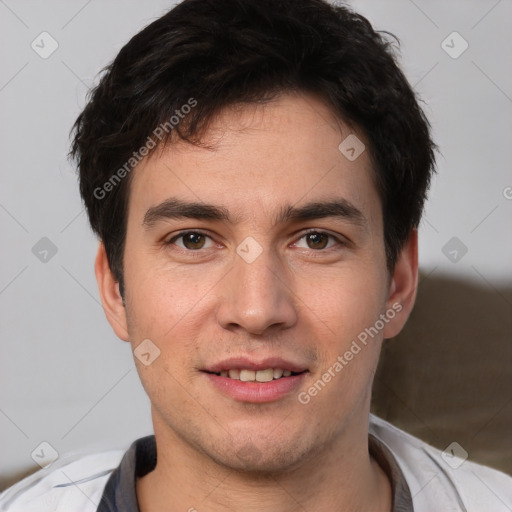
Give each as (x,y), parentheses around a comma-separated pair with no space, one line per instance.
(445,479)
(73,484)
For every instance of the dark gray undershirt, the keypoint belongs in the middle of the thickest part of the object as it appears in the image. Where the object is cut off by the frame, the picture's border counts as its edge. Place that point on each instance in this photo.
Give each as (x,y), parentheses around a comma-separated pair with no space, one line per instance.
(120,495)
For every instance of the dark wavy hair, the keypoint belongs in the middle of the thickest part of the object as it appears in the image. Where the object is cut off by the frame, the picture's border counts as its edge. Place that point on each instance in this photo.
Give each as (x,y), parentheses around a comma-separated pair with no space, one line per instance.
(222,52)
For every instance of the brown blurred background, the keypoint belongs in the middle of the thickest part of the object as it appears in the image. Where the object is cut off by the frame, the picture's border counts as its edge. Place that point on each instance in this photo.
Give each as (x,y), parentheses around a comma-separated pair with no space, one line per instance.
(448,376)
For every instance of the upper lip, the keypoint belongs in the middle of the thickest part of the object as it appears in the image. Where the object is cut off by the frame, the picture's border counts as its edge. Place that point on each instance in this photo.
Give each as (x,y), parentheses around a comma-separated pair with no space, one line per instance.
(246,363)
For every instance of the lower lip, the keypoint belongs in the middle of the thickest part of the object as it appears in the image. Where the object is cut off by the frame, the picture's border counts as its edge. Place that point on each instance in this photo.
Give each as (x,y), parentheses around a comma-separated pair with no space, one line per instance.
(256,392)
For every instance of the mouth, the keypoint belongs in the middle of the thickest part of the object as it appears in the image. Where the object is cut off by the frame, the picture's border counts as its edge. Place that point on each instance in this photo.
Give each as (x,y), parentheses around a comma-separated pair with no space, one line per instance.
(246,380)
(266,375)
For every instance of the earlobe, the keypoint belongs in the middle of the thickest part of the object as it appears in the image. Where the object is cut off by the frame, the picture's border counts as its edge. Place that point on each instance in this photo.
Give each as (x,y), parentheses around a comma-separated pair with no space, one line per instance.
(111,299)
(403,286)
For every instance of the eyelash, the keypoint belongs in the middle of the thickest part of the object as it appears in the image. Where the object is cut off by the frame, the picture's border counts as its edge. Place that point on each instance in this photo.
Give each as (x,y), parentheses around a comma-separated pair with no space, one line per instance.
(339,241)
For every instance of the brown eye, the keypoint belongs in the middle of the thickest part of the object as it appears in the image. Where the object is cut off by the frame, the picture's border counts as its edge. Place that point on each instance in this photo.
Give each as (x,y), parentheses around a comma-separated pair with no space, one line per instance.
(320,241)
(191,240)
(317,240)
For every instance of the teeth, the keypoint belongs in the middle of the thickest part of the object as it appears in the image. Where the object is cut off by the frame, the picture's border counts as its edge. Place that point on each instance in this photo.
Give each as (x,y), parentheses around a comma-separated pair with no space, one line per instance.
(278,373)
(247,375)
(234,374)
(266,375)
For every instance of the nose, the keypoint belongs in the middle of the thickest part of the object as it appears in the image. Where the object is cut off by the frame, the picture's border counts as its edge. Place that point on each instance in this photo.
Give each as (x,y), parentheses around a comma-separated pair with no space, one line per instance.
(256,296)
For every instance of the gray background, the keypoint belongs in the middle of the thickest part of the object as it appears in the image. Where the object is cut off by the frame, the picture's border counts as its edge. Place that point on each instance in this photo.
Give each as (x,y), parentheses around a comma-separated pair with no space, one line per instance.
(65,378)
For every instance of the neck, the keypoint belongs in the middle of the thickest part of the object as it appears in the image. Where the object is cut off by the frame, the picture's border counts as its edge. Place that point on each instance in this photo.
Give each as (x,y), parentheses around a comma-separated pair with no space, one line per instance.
(341,475)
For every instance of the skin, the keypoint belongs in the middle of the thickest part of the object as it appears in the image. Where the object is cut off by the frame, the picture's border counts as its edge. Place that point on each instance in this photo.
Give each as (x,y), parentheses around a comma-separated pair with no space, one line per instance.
(303,299)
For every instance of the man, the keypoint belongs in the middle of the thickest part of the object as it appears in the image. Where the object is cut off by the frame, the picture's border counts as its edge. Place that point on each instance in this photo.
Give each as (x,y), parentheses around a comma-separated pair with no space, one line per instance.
(256,171)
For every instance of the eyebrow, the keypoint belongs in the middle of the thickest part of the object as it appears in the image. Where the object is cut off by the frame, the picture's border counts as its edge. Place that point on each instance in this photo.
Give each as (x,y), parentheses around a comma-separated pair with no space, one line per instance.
(174,208)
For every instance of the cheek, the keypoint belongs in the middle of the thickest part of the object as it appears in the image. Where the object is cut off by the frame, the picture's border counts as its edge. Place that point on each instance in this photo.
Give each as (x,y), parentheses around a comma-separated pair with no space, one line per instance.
(171,308)
(175,335)
(347,339)
(162,297)
(344,302)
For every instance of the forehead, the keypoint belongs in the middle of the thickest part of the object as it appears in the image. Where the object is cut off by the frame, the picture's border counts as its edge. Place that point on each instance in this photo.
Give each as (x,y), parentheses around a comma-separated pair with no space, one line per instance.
(260,158)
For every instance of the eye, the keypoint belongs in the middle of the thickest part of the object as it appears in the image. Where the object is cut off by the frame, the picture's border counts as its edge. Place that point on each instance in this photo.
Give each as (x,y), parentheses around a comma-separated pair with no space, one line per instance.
(318,240)
(191,240)
(195,241)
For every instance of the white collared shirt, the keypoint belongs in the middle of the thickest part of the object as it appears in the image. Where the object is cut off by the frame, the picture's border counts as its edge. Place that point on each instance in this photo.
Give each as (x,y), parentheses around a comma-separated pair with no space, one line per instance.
(437,482)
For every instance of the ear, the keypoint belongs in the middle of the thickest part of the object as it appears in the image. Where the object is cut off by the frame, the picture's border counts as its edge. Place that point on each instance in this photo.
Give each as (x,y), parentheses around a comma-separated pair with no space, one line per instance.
(403,286)
(110,295)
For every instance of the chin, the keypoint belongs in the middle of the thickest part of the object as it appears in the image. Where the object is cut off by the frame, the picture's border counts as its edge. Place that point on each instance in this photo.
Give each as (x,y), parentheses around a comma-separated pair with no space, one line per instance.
(264,458)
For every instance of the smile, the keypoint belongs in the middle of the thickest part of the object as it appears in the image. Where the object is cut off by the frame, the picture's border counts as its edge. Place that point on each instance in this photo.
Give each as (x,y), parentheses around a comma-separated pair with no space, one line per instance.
(266,375)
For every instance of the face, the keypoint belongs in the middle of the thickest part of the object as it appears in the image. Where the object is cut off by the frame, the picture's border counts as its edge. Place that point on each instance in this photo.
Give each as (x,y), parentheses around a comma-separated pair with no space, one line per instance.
(256,268)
